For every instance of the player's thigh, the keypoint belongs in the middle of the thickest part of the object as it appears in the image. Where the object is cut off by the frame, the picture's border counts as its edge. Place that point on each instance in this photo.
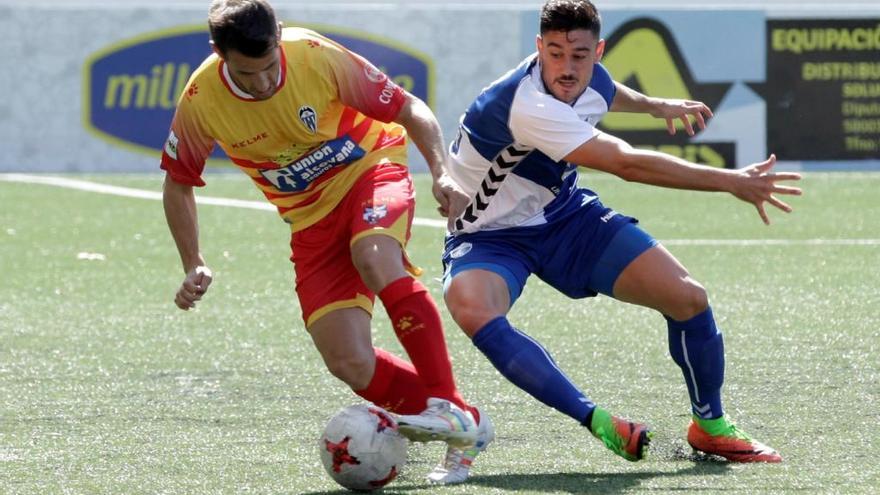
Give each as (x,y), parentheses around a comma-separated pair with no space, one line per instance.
(622,248)
(343,338)
(342,332)
(656,279)
(326,278)
(379,259)
(484,276)
(383,205)
(584,254)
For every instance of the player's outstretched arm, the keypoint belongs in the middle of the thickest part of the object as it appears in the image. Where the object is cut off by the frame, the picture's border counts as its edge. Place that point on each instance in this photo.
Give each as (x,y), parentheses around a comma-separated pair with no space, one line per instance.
(182,217)
(424,130)
(755,184)
(627,99)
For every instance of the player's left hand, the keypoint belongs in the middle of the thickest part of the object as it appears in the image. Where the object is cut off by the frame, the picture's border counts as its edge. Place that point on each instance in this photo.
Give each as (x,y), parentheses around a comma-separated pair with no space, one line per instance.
(672,109)
(193,287)
(756,184)
(452,200)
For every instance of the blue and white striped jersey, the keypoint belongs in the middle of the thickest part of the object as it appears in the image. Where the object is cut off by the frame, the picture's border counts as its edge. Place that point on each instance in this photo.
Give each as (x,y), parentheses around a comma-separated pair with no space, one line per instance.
(510,145)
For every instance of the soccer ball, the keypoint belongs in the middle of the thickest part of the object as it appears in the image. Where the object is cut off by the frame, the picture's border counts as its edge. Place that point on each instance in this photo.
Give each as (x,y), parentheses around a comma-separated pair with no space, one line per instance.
(361,448)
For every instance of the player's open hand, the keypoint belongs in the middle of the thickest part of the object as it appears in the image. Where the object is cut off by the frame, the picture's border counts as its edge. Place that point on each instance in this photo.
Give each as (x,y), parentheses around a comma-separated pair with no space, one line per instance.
(672,109)
(452,200)
(193,287)
(756,184)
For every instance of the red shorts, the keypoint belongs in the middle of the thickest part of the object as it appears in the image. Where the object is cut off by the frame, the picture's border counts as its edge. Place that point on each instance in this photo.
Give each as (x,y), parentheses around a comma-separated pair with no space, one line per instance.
(381,202)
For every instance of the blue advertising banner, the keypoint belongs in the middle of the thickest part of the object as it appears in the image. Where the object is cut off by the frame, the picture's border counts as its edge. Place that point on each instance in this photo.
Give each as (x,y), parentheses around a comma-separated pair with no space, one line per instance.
(131,88)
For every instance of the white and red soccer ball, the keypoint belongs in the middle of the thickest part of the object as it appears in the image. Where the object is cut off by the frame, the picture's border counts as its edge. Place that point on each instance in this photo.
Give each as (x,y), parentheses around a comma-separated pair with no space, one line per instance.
(361,448)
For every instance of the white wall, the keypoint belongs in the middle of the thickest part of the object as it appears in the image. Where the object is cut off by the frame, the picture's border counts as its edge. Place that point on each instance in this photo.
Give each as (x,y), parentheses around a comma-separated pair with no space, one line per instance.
(45,45)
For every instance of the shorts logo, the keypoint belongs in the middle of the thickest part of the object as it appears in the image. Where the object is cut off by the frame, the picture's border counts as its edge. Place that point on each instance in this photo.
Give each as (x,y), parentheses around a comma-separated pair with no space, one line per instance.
(461,250)
(309,118)
(171,145)
(372,214)
(608,216)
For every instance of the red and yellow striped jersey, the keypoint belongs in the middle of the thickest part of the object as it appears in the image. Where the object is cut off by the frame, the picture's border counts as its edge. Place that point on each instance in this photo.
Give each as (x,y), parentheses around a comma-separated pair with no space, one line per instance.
(306,145)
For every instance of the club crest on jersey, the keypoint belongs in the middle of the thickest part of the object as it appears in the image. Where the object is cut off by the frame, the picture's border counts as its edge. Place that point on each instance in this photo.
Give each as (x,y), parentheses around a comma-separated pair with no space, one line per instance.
(372,214)
(309,118)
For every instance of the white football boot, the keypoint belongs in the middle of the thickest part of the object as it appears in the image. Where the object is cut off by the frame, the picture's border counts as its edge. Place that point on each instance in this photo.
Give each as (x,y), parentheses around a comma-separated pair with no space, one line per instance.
(442,420)
(456,465)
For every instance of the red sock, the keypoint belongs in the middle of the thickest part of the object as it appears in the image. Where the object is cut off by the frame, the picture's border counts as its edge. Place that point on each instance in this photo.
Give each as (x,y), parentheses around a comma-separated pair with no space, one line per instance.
(416,322)
(395,386)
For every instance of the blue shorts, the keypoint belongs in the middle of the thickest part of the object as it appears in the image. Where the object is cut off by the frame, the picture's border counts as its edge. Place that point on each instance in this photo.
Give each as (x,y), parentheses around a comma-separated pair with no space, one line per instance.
(580,255)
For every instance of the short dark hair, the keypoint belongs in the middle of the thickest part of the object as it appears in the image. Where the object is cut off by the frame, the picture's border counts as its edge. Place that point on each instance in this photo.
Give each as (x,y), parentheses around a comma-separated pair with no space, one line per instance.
(568,15)
(246,26)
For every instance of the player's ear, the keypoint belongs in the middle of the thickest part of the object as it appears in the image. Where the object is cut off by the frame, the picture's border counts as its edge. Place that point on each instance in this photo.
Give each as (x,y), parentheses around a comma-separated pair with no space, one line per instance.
(215,49)
(539,43)
(600,49)
(278,35)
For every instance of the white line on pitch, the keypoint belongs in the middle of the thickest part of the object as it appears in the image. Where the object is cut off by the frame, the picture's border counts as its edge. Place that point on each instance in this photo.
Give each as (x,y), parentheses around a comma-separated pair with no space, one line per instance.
(261,205)
(155,195)
(771,242)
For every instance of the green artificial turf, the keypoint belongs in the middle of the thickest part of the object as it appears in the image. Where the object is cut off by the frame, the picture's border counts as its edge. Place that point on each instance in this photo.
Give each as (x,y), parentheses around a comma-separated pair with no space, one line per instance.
(106,387)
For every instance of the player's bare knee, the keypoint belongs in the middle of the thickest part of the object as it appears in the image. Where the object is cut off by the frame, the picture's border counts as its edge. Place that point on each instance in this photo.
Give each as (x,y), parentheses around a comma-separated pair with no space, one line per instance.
(370,272)
(691,300)
(378,268)
(470,314)
(355,371)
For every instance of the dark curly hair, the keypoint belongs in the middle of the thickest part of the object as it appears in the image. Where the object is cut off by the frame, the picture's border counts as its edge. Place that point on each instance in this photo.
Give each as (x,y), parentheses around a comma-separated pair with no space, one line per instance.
(568,15)
(246,26)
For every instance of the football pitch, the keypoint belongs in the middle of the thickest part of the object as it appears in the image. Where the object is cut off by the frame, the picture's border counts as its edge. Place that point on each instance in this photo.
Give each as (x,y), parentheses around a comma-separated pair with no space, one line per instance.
(106,387)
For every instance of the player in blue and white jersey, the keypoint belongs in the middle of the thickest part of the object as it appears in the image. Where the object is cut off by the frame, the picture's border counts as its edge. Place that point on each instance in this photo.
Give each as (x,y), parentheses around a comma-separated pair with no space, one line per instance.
(516,158)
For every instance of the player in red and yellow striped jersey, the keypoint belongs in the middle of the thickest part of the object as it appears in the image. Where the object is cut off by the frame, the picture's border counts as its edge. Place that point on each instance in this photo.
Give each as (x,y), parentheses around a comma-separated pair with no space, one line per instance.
(304,138)
(322,133)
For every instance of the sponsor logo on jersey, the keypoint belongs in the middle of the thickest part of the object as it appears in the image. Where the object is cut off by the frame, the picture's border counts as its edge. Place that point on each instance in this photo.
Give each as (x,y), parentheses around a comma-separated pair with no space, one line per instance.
(387,92)
(309,118)
(131,88)
(251,140)
(171,145)
(298,175)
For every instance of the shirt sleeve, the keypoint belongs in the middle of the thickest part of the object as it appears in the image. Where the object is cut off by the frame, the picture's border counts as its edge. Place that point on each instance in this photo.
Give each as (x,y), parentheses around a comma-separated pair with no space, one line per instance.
(549,125)
(361,85)
(187,147)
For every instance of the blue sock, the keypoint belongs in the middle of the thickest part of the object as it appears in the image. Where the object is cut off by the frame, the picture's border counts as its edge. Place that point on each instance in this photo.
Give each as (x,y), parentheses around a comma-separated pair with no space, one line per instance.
(697,347)
(528,366)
